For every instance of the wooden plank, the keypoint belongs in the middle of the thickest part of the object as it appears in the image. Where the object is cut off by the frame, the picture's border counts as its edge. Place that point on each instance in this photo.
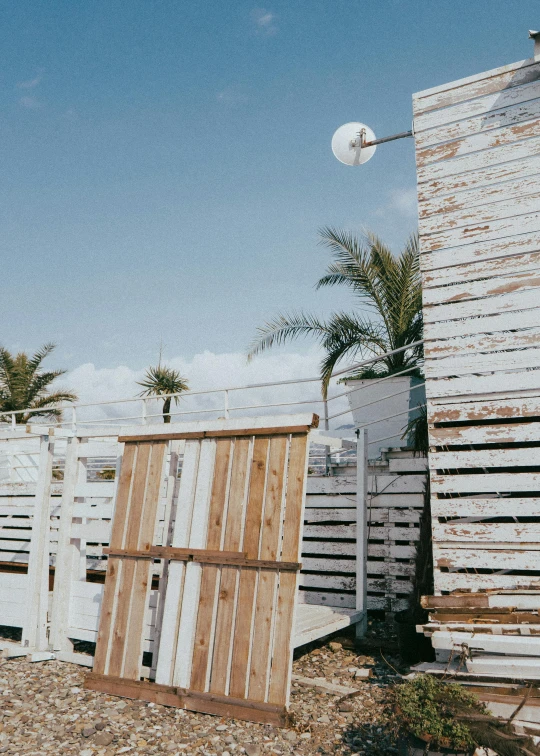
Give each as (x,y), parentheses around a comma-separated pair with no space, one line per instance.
(505,78)
(113,565)
(34,632)
(478,385)
(209,577)
(481,177)
(451,581)
(482,158)
(484,409)
(66,554)
(175,582)
(519,300)
(483,288)
(208,703)
(516,457)
(259,669)
(494,257)
(248,577)
(482,140)
(493,483)
(484,508)
(288,584)
(479,344)
(127,573)
(488,558)
(330,531)
(507,644)
(229,575)
(487,532)
(193,571)
(218,433)
(143,569)
(503,115)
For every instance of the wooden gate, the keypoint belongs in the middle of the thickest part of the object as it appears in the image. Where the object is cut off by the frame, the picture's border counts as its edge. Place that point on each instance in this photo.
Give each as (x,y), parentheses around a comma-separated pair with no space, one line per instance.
(230,573)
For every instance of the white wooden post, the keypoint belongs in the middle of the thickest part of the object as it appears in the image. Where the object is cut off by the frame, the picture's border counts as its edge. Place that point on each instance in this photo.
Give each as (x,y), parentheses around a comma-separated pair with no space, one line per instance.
(34,635)
(66,554)
(361,528)
(168,523)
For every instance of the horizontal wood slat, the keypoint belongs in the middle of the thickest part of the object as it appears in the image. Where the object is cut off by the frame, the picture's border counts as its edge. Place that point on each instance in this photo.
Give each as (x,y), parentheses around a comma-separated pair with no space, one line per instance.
(202,555)
(478,159)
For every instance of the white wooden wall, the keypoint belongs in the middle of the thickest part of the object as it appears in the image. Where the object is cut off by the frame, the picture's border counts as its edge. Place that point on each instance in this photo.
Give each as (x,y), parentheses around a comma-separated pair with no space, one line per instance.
(395,500)
(478,160)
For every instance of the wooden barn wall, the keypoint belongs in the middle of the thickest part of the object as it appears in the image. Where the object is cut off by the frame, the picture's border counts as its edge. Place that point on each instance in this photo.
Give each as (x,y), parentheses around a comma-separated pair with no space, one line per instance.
(478,167)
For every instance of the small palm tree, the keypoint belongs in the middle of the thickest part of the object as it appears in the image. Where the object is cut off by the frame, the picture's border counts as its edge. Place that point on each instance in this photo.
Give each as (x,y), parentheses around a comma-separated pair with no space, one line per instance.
(24,385)
(388,286)
(162,380)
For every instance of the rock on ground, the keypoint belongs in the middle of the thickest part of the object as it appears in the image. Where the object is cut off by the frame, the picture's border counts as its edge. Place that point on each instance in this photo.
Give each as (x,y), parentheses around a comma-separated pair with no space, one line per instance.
(45,710)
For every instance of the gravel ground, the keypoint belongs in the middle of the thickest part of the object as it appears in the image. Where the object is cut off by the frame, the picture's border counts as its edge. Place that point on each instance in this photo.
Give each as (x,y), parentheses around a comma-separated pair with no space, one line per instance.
(45,710)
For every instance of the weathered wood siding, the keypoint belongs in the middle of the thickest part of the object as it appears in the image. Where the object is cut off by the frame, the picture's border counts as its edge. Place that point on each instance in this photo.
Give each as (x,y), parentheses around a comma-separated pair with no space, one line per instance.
(478,166)
(395,500)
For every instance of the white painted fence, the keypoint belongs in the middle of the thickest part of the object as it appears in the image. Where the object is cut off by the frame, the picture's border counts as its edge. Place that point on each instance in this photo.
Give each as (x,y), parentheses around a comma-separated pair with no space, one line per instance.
(64,524)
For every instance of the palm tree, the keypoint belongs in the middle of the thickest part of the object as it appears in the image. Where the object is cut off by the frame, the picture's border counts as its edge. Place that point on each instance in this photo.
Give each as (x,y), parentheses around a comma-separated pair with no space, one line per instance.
(24,385)
(162,380)
(387,286)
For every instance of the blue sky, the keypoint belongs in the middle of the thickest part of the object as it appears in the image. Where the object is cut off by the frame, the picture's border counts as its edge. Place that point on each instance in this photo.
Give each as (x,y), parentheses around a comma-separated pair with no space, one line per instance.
(166,164)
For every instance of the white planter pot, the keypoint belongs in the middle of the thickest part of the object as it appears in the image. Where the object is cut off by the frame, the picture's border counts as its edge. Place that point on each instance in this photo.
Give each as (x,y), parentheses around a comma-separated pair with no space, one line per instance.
(387,406)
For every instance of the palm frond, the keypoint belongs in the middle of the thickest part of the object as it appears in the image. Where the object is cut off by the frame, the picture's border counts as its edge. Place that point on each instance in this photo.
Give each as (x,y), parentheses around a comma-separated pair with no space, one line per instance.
(287,327)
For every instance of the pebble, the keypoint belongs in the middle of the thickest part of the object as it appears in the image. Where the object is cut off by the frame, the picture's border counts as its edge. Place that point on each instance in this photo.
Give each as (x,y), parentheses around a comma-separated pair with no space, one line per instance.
(46,710)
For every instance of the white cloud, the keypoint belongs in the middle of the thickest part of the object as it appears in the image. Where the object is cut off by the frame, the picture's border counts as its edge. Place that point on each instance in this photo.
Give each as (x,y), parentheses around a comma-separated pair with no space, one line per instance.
(31,103)
(30,83)
(207,371)
(265,22)
(405,202)
(401,201)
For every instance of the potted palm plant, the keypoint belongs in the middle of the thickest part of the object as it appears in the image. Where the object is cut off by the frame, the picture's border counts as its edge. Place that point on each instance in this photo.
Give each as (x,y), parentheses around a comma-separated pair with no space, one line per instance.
(387,288)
